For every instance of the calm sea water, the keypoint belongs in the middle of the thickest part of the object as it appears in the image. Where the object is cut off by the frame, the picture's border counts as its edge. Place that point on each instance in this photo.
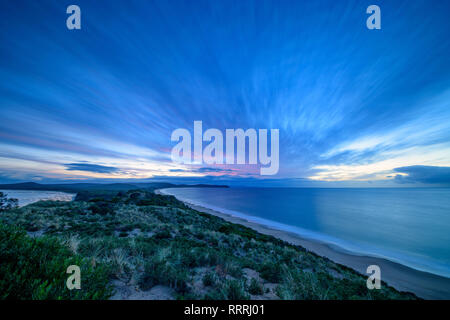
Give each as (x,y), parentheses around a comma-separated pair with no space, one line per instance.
(29,196)
(409,226)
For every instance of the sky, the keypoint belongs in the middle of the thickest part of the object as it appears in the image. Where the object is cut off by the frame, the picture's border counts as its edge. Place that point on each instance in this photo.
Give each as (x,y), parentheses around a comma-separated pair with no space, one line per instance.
(354,107)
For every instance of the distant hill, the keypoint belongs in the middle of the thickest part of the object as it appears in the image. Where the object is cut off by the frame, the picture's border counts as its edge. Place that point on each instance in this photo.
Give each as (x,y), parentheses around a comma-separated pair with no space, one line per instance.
(76,187)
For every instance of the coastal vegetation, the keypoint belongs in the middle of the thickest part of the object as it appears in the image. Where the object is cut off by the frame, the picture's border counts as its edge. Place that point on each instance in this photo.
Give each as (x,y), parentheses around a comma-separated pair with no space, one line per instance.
(35,268)
(141,240)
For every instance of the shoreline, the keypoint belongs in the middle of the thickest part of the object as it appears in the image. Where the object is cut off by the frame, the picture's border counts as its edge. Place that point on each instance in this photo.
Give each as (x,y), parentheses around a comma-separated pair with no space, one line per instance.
(61,196)
(403,278)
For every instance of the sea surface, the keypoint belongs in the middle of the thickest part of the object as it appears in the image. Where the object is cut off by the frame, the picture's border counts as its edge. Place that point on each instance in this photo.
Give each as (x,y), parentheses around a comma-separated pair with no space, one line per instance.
(410,226)
(29,196)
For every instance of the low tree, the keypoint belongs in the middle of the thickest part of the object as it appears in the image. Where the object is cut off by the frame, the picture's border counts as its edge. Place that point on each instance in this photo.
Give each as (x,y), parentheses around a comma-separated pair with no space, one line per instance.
(7,203)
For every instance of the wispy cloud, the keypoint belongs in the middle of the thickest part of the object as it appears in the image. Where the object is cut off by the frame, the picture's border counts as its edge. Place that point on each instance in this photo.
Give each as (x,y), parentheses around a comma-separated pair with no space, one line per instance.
(203,169)
(90,167)
(420,140)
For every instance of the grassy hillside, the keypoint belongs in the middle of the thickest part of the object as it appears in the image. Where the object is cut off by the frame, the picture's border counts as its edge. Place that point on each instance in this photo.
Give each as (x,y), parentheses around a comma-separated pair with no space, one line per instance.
(140,240)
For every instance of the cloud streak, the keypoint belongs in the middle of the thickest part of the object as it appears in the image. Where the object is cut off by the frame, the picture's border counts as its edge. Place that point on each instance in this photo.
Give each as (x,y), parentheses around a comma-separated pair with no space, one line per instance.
(90,167)
(424,174)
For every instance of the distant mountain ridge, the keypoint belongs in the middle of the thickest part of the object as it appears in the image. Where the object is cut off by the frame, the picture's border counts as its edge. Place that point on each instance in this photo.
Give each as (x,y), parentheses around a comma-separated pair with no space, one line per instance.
(75,187)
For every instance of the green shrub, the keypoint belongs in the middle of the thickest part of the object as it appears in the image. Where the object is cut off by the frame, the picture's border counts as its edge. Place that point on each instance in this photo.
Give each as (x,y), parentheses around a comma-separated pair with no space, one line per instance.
(101,208)
(163,234)
(209,279)
(255,287)
(228,290)
(165,273)
(271,272)
(7,203)
(235,290)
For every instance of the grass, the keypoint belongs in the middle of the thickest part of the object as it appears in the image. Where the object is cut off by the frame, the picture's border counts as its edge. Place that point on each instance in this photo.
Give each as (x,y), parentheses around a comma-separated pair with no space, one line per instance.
(144,239)
(36,269)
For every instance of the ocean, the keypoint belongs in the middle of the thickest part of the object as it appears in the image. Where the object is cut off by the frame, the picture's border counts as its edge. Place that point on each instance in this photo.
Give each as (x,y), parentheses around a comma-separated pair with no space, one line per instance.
(29,196)
(410,226)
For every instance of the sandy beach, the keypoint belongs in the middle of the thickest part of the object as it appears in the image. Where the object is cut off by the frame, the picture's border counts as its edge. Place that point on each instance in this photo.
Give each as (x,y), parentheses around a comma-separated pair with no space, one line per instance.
(425,285)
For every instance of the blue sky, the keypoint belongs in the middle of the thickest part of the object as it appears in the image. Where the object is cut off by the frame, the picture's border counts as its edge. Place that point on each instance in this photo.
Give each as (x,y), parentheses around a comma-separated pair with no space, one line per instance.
(353,106)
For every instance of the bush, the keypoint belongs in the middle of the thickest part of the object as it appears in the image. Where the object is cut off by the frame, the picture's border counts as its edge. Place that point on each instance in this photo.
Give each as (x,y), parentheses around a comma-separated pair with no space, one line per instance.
(209,279)
(163,234)
(36,269)
(165,273)
(7,203)
(101,208)
(271,272)
(228,290)
(255,287)
(235,290)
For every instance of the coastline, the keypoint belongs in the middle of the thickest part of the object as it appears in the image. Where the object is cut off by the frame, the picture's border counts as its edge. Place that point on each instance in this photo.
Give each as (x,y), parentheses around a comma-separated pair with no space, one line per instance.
(403,278)
(45,195)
